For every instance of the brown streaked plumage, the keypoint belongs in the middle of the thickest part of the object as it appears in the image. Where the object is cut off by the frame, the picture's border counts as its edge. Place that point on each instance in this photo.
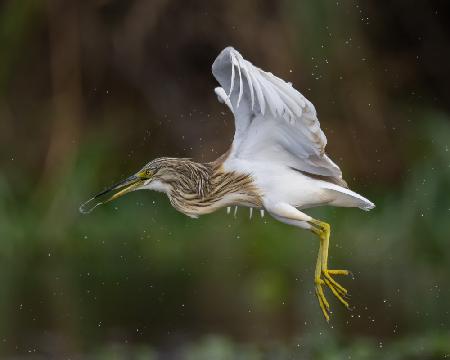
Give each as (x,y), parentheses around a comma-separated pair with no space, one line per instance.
(201,188)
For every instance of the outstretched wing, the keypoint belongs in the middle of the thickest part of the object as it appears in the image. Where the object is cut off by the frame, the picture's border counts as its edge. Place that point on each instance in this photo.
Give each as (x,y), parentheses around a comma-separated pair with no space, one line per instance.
(274,122)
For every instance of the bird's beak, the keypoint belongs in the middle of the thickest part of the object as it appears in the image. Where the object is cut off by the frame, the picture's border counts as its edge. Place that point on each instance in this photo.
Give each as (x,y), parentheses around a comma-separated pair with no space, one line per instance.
(125,186)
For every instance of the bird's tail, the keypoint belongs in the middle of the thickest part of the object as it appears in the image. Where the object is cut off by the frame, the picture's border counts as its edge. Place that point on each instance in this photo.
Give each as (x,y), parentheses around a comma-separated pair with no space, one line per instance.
(366,204)
(347,198)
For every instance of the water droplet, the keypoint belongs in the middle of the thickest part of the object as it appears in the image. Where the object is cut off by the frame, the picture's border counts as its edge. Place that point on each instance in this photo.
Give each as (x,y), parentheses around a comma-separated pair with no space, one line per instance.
(88,206)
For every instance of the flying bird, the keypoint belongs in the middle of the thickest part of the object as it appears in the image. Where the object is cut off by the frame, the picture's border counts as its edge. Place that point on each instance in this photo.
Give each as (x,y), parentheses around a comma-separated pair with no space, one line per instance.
(276,162)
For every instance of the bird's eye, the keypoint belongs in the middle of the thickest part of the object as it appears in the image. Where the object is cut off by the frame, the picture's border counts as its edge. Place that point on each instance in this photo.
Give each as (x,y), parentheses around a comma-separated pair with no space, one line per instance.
(145,174)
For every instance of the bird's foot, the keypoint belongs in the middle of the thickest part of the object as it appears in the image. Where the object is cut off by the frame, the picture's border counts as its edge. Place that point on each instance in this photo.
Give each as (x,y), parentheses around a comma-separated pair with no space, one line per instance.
(338,290)
(324,276)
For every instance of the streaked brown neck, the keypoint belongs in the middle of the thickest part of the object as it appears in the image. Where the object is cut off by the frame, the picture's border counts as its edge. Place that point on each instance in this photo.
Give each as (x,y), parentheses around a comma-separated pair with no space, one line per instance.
(201,188)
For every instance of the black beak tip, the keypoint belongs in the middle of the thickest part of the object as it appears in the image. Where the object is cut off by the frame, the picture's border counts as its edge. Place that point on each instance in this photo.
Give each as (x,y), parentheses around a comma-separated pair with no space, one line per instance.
(88,206)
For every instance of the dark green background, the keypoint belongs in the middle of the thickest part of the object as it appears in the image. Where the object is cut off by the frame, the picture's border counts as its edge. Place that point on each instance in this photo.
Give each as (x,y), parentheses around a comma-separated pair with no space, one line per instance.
(92,90)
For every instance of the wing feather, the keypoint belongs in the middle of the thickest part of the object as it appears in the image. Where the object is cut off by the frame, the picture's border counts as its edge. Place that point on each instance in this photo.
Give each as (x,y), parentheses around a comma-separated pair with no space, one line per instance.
(259,93)
(250,83)
(274,122)
(241,86)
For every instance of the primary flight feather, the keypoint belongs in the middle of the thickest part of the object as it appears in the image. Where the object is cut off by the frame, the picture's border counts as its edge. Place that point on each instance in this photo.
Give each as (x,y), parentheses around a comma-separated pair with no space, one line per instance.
(277,162)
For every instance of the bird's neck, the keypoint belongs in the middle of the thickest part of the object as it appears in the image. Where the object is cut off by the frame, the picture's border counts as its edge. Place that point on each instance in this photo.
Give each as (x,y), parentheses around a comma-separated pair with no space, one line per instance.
(202,188)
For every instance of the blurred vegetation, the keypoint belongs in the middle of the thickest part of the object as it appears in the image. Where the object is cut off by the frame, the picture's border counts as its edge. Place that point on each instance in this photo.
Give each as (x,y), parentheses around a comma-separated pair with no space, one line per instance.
(89,91)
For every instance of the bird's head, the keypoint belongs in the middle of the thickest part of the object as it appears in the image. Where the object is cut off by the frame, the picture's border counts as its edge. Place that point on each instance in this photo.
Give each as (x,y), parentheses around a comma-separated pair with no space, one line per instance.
(157,175)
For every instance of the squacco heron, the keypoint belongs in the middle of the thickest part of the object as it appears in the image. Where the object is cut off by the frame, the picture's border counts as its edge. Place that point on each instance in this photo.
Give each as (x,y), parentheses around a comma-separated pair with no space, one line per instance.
(277,162)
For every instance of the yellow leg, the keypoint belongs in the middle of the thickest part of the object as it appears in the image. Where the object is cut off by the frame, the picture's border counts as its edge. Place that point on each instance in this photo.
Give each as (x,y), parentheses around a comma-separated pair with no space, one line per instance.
(324,305)
(323,276)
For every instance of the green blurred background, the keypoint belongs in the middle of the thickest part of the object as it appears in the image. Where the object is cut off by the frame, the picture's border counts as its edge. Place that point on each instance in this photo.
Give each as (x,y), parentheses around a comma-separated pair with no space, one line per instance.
(92,90)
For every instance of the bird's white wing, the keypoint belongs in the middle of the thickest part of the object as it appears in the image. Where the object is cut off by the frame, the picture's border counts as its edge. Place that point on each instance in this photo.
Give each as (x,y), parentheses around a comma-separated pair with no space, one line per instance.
(274,122)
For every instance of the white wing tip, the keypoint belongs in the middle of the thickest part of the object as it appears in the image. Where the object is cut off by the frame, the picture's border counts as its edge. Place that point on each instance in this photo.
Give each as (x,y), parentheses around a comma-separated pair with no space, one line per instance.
(229,49)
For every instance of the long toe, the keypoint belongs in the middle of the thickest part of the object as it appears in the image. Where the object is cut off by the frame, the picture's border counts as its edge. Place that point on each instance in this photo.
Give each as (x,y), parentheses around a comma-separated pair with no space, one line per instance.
(327,275)
(323,303)
(337,289)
